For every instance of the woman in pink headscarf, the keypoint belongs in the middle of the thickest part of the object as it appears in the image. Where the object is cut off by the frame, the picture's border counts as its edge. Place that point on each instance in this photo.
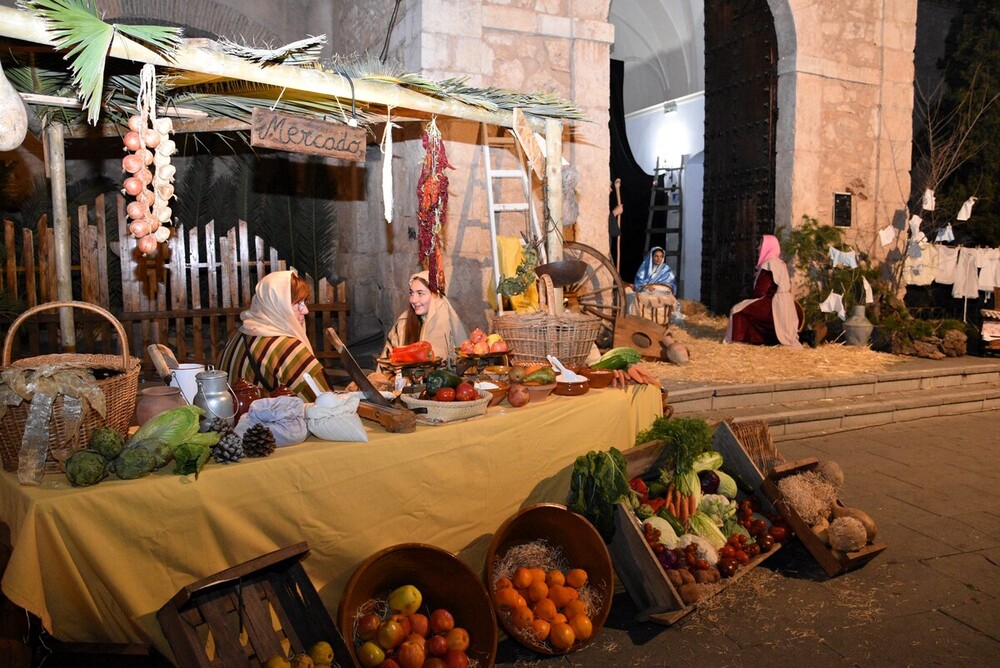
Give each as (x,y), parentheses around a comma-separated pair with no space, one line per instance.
(769,317)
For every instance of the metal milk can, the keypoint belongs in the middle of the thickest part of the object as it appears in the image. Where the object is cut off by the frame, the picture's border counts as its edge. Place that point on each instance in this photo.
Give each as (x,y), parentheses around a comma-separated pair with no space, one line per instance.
(214,396)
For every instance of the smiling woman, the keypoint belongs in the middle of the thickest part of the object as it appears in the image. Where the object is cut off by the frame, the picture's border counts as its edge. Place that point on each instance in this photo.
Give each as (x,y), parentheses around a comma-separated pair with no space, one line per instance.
(429,317)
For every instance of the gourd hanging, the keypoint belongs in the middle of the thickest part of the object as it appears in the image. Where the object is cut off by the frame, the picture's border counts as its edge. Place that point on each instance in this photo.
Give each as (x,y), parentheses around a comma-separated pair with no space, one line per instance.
(151,175)
(432,205)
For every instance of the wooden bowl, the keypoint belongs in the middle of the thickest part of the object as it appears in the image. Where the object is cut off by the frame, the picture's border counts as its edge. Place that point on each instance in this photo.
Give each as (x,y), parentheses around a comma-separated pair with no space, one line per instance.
(539,392)
(599,378)
(571,389)
(581,547)
(498,394)
(444,581)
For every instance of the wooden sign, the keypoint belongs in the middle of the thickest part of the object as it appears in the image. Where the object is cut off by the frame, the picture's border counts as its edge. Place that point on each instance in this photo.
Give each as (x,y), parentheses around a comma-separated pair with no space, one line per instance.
(306,135)
(528,140)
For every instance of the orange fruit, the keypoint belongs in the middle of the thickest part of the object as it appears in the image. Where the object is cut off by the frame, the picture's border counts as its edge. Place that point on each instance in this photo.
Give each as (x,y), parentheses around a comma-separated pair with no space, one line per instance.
(559,618)
(555,577)
(576,578)
(541,629)
(522,617)
(537,591)
(522,578)
(582,627)
(502,583)
(508,598)
(545,609)
(574,608)
(537,574)
(561,595)
(562,636)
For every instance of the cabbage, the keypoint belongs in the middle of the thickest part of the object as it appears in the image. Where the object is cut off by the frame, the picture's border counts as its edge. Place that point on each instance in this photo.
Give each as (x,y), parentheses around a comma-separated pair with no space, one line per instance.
(668,536)
(727,485)
(704,526)
(718,507)
(172,427)
(705,549)
(707,461)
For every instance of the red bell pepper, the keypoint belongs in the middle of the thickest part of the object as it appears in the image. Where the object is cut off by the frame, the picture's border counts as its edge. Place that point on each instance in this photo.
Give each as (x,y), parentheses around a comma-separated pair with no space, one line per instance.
(638,485)
(421,351)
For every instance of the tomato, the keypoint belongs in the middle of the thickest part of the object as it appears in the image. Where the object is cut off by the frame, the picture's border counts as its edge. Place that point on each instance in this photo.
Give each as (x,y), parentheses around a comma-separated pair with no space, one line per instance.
(466,392)
(766,542)
(445,394)
(757,528)
(779,533)
(752,550)
(727,551)
(742,557)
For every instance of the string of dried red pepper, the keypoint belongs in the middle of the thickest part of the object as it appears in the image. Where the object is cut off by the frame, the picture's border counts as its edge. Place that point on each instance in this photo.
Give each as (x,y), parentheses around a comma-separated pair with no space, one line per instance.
(432,205)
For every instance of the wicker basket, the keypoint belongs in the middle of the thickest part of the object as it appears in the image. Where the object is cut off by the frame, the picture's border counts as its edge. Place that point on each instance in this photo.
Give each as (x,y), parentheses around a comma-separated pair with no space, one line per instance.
(120,393)
(448,411)
(531,337)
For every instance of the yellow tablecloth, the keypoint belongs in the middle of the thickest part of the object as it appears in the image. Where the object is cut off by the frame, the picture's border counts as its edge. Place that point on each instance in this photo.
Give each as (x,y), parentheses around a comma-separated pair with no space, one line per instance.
(96,563)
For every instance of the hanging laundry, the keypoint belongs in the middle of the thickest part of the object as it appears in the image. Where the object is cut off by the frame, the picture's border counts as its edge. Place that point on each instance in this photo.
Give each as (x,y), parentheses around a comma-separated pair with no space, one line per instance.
(869,297)
(887,235)
(947,264)
(946,233)
(927,202)
(834,303)
(920,266)
(966,210)
(966,283)
(988,263)
(843,258)
(915,233)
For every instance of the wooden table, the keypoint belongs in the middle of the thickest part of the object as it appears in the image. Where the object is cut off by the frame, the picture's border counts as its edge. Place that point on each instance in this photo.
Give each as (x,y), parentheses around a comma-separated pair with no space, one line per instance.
(96,563)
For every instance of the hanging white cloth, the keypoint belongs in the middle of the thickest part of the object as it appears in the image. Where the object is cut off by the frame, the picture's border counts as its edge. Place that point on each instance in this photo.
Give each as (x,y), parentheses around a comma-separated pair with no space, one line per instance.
(915,233)
(927,201)
(843,258)
(945,234)
(887,235)
(834,303)
(920,266)
(947,264)
(988,262)
(869,297)
(966,281)
(966,210)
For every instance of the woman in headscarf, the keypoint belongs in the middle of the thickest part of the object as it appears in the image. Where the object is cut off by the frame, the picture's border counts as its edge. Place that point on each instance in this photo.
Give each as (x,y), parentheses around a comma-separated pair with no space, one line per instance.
(429,317)
(654,270)
(273,330)
(655,286)
(769,317)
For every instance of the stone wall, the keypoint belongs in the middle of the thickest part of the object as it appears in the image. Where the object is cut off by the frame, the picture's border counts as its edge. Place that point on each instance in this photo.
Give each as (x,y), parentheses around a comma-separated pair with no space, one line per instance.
(845,99)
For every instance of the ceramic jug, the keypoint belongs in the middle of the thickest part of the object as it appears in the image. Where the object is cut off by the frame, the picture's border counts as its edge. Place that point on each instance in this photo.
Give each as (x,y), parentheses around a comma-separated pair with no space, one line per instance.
(154,400)
(184,378)
(214,396)
(858,328)
(246,393)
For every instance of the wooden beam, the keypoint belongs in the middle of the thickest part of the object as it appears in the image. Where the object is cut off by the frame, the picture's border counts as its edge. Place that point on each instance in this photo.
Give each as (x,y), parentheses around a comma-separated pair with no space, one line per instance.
(55,156)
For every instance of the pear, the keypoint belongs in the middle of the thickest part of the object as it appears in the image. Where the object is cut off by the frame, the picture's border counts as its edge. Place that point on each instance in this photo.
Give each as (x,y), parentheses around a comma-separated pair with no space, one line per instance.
(405,599)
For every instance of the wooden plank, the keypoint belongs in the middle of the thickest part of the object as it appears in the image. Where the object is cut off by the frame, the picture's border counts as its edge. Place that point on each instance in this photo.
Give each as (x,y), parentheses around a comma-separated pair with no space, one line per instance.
(260,261)
(30,286)
(46,263)
(129,285)
(11,267)
(225,628)
(194,276)
(243,260)
(89,282)
(212,278)
(638,568)
(100,220)
(178,290)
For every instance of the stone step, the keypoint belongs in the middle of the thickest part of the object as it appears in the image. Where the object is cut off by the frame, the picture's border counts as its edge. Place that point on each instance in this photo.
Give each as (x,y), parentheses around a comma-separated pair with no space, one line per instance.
(801,408)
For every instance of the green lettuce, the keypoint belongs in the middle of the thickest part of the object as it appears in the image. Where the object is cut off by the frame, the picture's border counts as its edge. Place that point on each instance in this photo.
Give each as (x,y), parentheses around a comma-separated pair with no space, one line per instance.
(171,427)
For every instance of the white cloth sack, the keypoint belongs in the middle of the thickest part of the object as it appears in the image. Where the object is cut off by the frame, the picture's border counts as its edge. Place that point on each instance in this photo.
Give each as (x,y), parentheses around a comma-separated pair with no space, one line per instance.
(284,416)
(338,419)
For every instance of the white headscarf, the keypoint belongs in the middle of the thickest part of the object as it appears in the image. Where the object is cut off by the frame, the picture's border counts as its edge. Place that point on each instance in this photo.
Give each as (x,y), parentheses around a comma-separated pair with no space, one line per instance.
(442,327)
(271,311)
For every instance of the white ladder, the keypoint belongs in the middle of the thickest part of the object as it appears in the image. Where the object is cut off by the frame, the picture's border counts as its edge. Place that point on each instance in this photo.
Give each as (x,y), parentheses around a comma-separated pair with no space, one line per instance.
(506,142)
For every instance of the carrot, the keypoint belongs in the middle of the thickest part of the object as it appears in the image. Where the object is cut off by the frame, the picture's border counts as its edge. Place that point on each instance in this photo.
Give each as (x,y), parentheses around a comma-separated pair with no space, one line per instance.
(635,374)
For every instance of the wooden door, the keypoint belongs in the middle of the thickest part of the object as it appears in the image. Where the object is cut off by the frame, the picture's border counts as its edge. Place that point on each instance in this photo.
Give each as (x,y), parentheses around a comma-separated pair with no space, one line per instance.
(740,119)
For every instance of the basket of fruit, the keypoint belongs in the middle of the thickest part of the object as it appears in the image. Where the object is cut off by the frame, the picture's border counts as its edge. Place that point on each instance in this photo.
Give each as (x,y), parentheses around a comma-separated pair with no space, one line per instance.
(447,398)
(414,602)
(550,578)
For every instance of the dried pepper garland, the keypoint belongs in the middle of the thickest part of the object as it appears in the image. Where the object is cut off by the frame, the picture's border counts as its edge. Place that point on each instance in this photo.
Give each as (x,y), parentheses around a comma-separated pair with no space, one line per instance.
(432,210)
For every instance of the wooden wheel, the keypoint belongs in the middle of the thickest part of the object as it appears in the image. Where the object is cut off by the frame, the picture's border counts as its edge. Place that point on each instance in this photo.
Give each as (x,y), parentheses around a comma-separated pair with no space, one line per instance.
(600,292)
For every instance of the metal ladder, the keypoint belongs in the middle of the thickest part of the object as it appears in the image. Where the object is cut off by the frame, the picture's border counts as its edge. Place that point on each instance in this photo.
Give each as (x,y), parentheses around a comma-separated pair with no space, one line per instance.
(495,147)
(671,204)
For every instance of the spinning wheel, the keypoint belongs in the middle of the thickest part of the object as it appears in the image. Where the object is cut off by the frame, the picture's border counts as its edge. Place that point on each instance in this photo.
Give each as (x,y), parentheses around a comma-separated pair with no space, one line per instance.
(600,292)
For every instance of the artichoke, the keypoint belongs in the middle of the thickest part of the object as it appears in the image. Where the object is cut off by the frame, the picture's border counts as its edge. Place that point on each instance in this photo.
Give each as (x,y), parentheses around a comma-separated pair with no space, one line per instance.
(163,452)
(134,463)
(108,442)
(86,467)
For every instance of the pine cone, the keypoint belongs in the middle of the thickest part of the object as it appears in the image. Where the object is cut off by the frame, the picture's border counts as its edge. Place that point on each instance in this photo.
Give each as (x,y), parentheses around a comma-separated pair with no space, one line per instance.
(217,424)
(229,448)
(258,441)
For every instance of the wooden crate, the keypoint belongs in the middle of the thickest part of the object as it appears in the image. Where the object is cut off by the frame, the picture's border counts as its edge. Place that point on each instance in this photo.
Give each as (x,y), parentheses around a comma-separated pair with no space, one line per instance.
(254,597)
(748,453)
(637,566)
(832,562)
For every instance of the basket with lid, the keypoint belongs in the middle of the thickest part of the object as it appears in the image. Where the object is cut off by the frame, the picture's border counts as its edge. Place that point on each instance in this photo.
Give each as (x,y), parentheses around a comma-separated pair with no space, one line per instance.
(111,380)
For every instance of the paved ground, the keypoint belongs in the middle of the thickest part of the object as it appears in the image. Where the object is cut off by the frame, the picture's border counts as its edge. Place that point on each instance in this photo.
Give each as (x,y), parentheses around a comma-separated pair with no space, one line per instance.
(932,598)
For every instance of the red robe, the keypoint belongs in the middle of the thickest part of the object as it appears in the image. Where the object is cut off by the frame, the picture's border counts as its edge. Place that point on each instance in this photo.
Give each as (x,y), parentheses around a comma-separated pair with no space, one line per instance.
(755,323)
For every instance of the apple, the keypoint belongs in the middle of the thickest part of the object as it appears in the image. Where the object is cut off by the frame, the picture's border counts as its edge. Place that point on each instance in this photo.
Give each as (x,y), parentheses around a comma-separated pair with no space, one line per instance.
(390,663)
(457,639)
(518,395)
(390,634)
(456,659)
(437,645)
(480,348)
(370,654)
(493,338)
(466,347)
(368,626)
(477,335)
(416,637)
(499,347)
(405,599)
(404,621)
(411,654)
(441,621)
(435,662)
(419,624)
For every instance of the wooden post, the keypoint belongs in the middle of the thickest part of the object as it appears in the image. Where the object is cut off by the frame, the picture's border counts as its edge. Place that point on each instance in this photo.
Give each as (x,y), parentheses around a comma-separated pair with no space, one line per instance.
(56,156)
(553,197)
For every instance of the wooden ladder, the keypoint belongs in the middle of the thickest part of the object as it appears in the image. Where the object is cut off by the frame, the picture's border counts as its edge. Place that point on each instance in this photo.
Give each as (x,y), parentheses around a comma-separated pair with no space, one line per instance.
(495,149)
(667,198)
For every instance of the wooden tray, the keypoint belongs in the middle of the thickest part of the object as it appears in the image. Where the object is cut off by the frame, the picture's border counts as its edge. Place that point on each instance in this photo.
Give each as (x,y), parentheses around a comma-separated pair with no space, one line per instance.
(832,562)
(251,595)
(637,566)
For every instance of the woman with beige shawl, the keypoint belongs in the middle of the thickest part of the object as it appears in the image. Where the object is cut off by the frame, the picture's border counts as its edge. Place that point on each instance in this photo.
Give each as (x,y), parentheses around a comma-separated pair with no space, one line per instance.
(429,317)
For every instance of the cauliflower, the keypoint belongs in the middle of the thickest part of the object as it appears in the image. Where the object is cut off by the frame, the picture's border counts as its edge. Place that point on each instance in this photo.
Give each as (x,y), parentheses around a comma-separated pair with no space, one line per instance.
(705,549)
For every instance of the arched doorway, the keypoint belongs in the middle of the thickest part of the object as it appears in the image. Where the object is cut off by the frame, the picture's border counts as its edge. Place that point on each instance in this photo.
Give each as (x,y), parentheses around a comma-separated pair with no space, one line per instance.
(741,115)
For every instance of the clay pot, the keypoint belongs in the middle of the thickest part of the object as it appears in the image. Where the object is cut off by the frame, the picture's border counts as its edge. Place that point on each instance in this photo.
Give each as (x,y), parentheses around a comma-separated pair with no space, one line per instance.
(155,400)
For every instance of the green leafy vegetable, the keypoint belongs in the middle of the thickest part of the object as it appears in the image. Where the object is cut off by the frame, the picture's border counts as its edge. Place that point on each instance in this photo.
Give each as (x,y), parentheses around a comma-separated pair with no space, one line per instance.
(190,458)
(704,526)
(597,484)
(686,439)
(727,486)
(171,427)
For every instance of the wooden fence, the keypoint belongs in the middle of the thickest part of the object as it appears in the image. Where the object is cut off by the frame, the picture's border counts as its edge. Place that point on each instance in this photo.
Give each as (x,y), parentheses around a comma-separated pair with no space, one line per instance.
(188,297)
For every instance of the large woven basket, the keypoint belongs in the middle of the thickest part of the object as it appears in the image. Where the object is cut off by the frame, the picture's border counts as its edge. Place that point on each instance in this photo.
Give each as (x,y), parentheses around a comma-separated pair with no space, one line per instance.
(531,337)
(120,390)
